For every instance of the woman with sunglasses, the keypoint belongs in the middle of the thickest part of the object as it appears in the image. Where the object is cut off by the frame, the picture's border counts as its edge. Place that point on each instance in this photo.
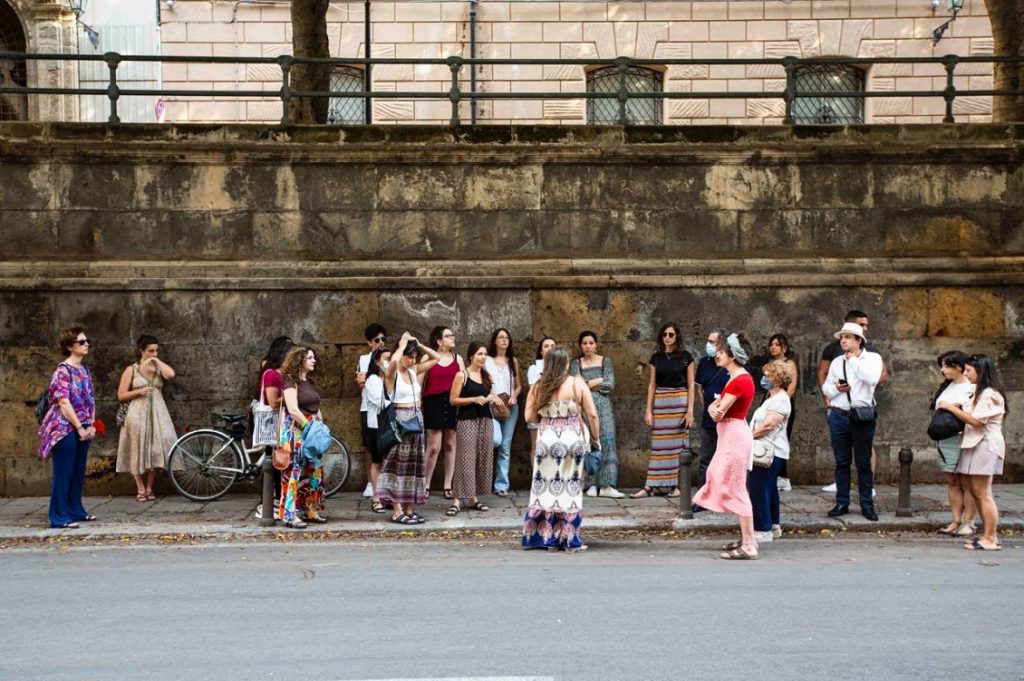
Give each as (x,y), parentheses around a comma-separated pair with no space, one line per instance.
(67,429)
(669,396)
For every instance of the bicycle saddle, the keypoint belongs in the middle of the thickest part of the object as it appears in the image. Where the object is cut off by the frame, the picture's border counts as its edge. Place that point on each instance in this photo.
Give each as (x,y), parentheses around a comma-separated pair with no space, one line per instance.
(231,418)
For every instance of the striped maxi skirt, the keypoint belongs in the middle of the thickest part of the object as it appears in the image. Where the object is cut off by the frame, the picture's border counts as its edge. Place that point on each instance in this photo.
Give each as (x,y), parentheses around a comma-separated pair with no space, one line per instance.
(669,437)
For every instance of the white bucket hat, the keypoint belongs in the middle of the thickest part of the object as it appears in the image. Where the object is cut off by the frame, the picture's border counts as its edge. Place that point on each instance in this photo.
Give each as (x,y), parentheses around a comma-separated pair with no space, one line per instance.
(853,328)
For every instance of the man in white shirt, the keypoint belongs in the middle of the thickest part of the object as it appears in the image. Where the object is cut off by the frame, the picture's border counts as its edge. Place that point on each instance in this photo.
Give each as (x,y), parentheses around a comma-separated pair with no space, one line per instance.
(376,336)
(850,388)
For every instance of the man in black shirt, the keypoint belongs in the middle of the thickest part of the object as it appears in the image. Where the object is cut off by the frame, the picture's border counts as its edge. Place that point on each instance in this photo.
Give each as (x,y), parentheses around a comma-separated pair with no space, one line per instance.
(833,350)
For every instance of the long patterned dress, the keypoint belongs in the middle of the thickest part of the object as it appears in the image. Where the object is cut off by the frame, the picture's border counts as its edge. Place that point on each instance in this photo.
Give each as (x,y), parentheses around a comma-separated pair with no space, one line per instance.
(555,513)
(608,476)
(148,433)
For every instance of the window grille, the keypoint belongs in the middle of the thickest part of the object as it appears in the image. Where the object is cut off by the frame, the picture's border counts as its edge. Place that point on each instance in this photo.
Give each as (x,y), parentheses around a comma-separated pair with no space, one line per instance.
(346,110)
(638,111)
(828,110)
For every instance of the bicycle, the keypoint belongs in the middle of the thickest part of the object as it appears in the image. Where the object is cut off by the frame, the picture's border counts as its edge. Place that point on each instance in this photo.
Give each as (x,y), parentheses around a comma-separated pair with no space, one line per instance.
(203,464)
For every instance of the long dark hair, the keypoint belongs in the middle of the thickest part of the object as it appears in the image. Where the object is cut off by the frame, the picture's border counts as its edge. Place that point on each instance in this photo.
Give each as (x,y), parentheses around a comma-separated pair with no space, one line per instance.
(987,377)
(540,346)
(679,348)
(953,358)
(485,377)
(279,347)
(436,334)
(492,347)
(373,369)
(787,351)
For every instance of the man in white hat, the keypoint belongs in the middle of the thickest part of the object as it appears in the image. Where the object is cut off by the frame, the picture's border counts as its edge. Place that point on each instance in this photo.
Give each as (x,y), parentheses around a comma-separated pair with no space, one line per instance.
(850,387)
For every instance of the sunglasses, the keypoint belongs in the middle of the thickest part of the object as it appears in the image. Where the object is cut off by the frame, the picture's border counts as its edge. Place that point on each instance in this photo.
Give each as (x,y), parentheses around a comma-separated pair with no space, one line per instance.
(379,339)
(448,335)
(668,334)
(84,341)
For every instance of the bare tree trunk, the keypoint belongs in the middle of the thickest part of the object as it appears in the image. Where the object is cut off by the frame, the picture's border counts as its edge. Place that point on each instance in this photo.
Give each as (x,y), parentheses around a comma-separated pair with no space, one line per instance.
(309,39)
(1007,19)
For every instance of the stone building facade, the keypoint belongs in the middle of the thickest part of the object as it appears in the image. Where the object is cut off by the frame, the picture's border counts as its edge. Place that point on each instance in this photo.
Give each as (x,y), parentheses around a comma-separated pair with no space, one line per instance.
(46,26)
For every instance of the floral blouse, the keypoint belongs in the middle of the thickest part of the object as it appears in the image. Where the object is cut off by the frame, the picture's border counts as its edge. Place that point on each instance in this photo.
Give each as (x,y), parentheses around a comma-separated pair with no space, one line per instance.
(74,384)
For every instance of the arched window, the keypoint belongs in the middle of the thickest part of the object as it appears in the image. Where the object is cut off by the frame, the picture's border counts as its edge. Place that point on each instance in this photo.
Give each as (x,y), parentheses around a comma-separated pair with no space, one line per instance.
(346,110)
(828,110)
(638,111)
(13,107)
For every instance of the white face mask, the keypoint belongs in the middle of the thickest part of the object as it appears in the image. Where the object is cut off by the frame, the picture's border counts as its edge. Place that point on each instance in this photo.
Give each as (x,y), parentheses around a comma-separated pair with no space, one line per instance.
(384,364)
(710,349)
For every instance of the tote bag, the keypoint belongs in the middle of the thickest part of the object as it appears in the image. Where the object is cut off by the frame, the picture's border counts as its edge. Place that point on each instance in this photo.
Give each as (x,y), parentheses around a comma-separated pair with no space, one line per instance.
(264,421)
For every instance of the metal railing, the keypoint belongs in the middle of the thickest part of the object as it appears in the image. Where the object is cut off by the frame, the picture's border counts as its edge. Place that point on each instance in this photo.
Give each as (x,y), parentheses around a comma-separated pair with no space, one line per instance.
(456,94)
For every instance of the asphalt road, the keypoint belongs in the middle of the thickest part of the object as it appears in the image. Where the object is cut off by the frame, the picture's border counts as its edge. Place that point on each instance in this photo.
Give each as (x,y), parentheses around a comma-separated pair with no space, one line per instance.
(811,608)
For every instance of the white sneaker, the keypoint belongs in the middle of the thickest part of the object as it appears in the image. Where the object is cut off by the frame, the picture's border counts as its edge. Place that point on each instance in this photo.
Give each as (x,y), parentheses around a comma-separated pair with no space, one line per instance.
(776,531)
(829,488)
(784,485)
(763,537)
(592,491)
(873,493)
(259,512)
(611,492)
(368,492)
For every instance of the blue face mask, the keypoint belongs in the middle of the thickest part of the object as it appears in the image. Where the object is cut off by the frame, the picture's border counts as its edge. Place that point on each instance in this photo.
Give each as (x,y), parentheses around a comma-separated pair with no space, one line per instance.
(710,349)
(766,383)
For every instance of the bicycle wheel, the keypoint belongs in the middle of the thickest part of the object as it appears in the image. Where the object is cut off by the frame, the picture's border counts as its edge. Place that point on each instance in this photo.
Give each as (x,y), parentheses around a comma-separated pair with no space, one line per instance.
(336,467)
(203,464)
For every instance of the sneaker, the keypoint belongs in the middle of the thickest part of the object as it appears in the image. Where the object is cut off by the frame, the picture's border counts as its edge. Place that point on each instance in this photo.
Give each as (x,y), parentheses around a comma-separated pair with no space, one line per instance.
(368,492)
(873,493)
(829,488)
(763,537)
(776,531)
(611,492)
(259,512)
(592,491)
(784,485)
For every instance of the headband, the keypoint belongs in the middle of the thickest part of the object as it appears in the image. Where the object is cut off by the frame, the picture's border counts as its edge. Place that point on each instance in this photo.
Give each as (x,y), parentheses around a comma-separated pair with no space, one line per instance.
(736,349)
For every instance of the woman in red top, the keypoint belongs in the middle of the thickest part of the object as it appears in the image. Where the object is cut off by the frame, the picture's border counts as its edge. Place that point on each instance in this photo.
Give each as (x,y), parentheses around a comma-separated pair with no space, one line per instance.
(438,413)
(726,488)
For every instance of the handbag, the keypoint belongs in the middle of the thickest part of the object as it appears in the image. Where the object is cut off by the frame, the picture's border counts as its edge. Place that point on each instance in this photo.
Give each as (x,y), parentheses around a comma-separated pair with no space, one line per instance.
(593,458)
(944,425)
(282,456)
(502,409)
(390,430)
(764,452)
(859,414)
(264,420)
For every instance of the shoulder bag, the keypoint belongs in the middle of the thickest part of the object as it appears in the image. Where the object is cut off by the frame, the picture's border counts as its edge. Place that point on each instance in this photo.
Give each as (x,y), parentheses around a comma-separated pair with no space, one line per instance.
(265,426)
(593,458)
(389,429)
(282,457)
(43,402)
(764,451)
(859,414)
(944,425)
(501,409)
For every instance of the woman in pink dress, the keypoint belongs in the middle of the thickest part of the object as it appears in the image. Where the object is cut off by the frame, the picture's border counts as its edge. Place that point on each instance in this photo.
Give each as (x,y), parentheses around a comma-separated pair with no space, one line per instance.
(983,448)
(726,488)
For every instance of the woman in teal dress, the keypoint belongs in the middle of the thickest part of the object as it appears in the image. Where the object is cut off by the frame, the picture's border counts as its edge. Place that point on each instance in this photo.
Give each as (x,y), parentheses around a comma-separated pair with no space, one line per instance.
(599,374)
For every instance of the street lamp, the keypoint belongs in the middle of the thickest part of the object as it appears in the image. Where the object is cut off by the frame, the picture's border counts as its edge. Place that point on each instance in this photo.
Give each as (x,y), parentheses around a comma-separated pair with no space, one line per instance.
(955,7)
(78,7)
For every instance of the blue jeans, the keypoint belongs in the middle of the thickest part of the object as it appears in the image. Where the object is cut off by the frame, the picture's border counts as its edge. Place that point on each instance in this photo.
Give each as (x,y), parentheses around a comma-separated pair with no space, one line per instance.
(68,459)
(762,485)
(508,428)
(851,442)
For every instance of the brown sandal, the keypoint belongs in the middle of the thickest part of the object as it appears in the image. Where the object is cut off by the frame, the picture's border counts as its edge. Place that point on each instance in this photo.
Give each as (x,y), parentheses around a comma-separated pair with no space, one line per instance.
(738,554)
(642,493)
(453,510)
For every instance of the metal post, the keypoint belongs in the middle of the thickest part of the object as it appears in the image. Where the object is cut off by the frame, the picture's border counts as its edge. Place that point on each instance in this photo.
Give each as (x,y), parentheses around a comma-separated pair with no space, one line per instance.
(113,59)
(286,89)
(685,501)
(949,94)
(623,93)
(472,55)
(789,94)
(268,489)
(368,71)
(454,94)
(903,509)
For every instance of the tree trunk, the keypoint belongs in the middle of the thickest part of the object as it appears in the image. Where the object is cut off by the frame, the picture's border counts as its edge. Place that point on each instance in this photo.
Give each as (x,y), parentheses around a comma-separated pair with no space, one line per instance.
(309,39)
(1007,19)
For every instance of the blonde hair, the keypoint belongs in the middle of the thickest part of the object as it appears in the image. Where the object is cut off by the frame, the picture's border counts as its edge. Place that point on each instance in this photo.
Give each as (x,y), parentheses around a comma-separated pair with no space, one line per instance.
(778,372)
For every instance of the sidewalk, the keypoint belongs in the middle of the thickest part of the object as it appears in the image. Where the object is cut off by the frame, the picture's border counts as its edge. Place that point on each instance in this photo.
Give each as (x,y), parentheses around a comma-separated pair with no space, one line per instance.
(803,510)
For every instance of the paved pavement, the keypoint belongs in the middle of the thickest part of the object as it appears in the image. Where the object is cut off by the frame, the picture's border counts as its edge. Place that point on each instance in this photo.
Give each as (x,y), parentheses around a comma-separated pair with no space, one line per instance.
(803,510)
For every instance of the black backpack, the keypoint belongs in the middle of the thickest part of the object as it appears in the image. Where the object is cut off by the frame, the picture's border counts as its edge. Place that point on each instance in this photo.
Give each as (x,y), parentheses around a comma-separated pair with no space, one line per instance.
(43,403)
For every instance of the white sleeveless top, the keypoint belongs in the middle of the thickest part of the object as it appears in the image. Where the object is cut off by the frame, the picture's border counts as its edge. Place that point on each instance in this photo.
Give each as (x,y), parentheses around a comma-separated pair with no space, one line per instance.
(406,393)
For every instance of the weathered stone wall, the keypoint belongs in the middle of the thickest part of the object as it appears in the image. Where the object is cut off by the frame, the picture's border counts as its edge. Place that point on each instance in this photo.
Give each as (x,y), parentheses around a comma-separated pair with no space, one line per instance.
(216,239)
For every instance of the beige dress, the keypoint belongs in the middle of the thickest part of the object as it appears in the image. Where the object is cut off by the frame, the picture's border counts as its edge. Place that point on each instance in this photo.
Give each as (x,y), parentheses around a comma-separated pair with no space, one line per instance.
(147,434)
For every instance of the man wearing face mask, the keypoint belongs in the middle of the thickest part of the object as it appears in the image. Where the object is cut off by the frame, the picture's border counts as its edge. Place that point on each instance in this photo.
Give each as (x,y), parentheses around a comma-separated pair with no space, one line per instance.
(711,379)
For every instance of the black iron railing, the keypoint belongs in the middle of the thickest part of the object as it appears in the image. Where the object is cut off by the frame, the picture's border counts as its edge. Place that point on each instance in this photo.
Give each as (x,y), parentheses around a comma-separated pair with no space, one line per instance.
(456,94)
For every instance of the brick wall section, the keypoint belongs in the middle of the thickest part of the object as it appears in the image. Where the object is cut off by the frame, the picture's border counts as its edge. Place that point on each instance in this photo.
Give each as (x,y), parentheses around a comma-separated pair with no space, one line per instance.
(536,29)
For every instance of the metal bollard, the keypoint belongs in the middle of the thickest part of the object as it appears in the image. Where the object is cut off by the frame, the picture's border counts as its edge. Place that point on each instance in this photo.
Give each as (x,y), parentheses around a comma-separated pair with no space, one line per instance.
(903,509)
(685,501)
(268,490)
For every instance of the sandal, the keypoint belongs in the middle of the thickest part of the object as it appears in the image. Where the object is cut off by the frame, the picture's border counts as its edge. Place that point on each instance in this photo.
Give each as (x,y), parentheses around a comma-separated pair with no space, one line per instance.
(480,506)
(150,496)
(966,530)
(418,518)
(403,520)
(316,519)
(976,545)
(949,529)
(732,546)
(579,549)
(377,507)
(642,493)
(295,524)
(452,511)
(89,517)
(738,554)
(449,493)
(501,493)
(675,494)
(141,497)
(67,526)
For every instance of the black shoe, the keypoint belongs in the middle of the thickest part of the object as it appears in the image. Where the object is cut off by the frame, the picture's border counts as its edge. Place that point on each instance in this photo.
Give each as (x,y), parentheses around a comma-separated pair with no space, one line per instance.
(869,513)
(838,510)
(697,509)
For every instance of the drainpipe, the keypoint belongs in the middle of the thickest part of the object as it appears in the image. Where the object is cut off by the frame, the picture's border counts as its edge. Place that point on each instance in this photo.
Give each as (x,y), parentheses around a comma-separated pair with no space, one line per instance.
(368,71)
(472,55)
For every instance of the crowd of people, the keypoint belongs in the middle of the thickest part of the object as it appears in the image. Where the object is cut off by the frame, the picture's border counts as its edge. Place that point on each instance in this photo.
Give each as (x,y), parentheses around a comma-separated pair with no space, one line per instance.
(421,402)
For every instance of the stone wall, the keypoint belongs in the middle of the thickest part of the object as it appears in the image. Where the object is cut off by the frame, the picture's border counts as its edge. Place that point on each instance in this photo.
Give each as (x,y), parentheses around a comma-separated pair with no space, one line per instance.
(664,29)
(216,239)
